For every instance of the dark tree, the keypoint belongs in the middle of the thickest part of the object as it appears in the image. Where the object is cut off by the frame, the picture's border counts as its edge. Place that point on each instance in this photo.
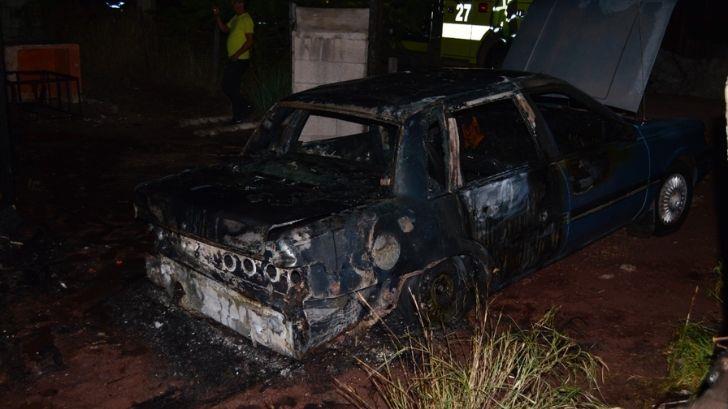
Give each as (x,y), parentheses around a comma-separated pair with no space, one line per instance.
(7,191)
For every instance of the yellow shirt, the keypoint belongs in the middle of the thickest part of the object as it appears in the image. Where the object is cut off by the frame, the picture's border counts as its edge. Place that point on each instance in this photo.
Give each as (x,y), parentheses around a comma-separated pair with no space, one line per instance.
(239,26)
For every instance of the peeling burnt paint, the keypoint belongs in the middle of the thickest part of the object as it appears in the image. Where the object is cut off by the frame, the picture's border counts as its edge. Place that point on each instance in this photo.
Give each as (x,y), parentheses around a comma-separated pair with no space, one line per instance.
(294,244)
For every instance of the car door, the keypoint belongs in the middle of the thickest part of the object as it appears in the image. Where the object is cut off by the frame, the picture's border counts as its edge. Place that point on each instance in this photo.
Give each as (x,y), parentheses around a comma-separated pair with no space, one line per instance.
(605,165)
(507,192)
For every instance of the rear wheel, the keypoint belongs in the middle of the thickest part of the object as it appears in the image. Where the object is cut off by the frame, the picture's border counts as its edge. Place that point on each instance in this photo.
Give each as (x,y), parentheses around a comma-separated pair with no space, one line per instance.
(443,294)
(673,200)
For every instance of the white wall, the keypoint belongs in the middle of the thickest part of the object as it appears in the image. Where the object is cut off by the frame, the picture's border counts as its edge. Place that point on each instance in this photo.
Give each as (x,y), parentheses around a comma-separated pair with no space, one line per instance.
(329,45)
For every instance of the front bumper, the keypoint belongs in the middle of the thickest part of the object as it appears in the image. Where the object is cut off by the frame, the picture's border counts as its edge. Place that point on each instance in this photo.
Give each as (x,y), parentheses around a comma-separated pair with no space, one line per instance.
(293,331)
(201,294)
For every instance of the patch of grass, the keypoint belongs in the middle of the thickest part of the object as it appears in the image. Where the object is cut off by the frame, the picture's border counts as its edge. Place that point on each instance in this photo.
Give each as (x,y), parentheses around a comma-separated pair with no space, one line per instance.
(498,366)
(688,356)
(267,83)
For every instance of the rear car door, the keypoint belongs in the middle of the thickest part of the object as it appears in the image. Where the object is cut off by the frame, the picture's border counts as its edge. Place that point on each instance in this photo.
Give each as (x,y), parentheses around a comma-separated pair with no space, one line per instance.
(605,165)
(507,190)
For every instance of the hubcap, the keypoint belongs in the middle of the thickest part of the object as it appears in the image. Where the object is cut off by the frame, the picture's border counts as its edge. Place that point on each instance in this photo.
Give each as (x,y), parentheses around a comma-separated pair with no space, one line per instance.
(672,199)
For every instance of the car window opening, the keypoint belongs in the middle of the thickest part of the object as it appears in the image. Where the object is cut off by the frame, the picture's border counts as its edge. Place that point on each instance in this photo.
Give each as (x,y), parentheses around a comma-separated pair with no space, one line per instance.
(327,148)
(493,139)
(574,126)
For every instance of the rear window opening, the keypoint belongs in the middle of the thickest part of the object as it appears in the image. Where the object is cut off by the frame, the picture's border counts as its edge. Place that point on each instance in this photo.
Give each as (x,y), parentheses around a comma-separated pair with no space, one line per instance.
(354,140)
(325,148)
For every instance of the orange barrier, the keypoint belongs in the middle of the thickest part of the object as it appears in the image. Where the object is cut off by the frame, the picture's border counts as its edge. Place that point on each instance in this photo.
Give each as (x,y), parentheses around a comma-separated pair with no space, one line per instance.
(59,58)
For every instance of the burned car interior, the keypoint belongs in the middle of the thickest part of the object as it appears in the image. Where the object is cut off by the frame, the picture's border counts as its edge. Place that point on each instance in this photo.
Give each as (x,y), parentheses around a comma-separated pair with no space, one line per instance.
(374,146)
(349,164)
(493,138)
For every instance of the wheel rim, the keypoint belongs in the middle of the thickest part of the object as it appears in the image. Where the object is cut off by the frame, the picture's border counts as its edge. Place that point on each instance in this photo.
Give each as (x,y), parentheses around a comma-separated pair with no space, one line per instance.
(442,291)
(673,199)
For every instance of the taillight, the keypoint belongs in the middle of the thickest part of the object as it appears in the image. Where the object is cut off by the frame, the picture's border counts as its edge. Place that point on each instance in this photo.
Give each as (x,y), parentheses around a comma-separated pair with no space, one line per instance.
(483,7)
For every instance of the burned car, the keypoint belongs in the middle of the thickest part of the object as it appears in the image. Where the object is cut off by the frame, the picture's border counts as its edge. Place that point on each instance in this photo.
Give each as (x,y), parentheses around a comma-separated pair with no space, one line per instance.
(353,199)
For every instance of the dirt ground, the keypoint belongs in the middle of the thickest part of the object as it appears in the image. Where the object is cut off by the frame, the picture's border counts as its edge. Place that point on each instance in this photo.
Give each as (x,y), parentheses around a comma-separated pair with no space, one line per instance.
(83,328)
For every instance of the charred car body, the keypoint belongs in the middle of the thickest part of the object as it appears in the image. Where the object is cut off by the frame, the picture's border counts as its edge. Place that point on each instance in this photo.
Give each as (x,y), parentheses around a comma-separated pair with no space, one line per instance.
(477,177)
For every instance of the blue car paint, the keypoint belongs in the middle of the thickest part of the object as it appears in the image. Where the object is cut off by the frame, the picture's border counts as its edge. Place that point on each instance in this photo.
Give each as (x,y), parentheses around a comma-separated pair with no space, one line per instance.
(665,143)
(675,141)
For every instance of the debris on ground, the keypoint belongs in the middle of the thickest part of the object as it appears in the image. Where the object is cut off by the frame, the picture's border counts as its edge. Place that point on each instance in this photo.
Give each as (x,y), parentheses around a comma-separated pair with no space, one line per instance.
(630,268)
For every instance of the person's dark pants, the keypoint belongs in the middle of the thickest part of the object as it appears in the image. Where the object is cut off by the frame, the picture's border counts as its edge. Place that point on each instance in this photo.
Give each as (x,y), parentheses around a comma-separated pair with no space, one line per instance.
(231,78)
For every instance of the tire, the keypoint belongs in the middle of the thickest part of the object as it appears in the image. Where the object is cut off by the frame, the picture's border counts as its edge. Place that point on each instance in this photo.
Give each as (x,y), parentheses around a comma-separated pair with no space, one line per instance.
(442,294)
(491,52)
(673,200)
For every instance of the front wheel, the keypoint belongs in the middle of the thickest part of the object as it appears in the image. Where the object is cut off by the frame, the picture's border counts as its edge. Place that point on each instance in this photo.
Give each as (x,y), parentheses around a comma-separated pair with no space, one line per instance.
(673,201)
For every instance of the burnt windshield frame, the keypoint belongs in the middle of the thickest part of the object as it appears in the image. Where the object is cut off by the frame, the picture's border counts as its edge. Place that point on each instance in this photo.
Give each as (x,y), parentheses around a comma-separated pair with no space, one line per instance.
(280,132)
(371,138)
(270,125)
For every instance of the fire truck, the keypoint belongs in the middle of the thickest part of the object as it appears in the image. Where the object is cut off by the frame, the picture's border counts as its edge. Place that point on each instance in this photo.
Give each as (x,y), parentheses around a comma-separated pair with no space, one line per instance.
(478,32)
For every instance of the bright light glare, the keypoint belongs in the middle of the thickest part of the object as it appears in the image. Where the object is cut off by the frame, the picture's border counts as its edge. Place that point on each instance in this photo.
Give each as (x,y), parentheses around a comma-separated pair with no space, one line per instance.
(115,4)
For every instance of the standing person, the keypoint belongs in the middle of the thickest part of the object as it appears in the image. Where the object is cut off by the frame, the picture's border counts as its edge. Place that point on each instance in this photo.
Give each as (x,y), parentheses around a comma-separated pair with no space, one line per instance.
(239,44)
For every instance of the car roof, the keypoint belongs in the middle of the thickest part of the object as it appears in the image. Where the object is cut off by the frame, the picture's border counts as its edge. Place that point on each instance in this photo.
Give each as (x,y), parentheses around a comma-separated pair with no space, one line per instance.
(395,97)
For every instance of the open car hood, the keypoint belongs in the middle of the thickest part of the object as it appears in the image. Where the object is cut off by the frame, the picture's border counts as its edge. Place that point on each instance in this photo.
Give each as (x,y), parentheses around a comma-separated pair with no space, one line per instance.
(606,48)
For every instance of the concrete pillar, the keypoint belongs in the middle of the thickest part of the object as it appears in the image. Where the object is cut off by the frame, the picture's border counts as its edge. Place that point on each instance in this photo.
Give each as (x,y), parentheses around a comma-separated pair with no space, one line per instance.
(329,45)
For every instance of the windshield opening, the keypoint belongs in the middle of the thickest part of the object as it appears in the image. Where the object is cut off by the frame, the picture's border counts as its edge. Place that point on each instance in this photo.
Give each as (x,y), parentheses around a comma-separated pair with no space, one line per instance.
(321,148)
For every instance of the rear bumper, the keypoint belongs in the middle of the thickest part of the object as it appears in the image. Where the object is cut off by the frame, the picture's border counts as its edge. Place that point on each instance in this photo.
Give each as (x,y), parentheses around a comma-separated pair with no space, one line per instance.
(314,323)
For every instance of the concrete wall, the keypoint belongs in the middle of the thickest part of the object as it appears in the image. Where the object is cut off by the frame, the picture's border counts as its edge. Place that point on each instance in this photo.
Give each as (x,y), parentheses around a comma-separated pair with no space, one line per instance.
(329,45)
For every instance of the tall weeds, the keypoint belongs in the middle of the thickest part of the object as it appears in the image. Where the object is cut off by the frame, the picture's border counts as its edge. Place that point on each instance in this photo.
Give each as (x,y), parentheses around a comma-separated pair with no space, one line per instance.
(266,84)
(688,356)
(498,366)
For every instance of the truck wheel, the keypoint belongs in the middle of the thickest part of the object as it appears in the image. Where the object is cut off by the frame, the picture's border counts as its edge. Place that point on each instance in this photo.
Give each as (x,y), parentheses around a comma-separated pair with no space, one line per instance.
(492,52)
(443,294)
(673,200)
